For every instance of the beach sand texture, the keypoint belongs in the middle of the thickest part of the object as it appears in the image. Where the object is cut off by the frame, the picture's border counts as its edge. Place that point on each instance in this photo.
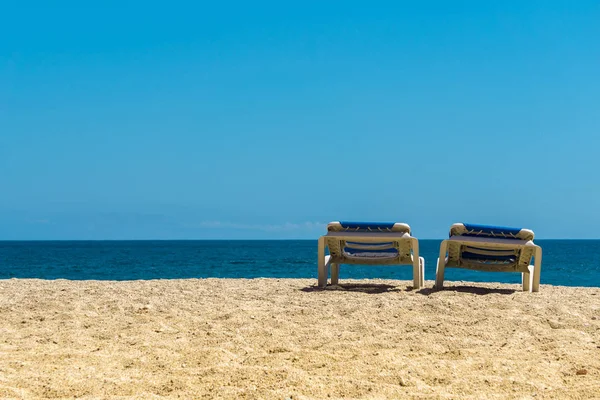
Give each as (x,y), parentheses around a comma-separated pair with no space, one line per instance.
(283,338)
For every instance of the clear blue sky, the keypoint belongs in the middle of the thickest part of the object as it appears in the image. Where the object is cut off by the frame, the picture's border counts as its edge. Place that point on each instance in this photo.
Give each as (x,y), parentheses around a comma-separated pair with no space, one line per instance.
(147,120)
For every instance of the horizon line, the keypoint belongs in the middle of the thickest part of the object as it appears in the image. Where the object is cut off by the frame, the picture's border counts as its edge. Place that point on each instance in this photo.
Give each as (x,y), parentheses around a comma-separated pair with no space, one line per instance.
(217,240)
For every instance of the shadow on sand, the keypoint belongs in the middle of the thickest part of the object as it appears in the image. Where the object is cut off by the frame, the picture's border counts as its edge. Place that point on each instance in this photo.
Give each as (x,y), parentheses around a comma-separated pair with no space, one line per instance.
(468,289)
(375,288)
(371,288)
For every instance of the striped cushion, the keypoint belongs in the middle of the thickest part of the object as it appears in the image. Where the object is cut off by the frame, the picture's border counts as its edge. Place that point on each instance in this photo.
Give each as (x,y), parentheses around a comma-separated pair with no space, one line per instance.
(487,259)
(370,253)
(368,227)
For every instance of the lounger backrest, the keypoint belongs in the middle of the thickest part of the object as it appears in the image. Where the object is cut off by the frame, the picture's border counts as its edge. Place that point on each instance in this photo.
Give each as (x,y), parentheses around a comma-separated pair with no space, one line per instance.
(367,227)
(374,252)
(498,232)
(481,254)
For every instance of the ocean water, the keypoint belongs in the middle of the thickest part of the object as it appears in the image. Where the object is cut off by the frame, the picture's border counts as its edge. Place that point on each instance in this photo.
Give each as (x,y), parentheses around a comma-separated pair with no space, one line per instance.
(565,262)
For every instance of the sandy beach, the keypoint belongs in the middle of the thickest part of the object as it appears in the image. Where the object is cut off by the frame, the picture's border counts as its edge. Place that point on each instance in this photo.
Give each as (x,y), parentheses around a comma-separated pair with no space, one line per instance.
(285,339)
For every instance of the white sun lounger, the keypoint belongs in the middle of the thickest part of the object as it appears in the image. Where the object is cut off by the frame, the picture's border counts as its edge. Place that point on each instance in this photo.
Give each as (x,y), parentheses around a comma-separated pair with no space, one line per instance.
(368,244)
(491,248)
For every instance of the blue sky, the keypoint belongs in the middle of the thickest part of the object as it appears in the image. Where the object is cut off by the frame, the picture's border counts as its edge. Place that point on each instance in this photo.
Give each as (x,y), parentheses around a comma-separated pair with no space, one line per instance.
(144,120)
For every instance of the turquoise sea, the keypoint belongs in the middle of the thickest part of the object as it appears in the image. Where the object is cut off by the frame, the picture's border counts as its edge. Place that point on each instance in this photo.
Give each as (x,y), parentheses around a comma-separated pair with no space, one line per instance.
(565,262)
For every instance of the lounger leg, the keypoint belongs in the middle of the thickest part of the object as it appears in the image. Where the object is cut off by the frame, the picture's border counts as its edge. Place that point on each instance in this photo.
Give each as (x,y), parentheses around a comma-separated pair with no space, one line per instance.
(441,265)
(422,264)
(537,270)
(526,279)
(335,273)
(322,281)
(416,265)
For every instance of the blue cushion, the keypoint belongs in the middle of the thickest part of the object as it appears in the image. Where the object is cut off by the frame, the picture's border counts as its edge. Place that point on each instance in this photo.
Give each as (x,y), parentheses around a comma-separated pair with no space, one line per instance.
(488,258)
(369,244)
(490,230)
(370,253)
(367,225)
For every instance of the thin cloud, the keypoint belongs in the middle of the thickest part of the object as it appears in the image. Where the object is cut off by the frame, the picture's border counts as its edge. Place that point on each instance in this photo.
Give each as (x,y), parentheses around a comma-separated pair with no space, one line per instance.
(41,221)
(286,227)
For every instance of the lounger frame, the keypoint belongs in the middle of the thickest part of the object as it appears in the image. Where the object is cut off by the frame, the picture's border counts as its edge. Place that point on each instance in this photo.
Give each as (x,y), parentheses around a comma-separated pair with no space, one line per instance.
(523,248)
(398,238)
